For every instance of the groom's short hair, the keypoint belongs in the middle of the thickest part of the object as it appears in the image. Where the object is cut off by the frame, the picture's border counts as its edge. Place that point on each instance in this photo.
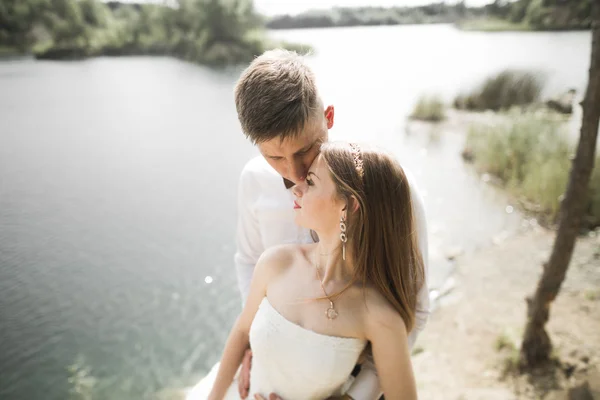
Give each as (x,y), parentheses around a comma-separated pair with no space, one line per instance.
(276,96)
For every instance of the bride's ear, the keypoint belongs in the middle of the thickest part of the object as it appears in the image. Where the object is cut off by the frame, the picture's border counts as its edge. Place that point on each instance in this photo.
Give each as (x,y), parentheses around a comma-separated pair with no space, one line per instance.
(353,204)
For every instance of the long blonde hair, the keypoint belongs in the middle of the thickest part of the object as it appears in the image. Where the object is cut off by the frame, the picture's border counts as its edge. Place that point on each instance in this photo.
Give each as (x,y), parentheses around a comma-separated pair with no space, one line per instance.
(381,233)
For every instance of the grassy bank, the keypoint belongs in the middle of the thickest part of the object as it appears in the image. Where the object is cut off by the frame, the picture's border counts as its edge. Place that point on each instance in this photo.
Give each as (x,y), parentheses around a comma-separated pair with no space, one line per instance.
(492,25)
(502,91)
(219,54)
(9,52)
(530,155)
(216,54)
(429,108)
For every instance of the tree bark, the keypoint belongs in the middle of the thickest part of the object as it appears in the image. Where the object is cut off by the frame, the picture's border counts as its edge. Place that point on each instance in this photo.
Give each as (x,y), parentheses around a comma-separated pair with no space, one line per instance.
(536,346)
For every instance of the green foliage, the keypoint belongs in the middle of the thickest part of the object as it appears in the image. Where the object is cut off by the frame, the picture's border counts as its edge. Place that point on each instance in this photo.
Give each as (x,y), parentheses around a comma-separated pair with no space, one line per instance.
(191,28)
(18,19)
(533,15)
(8,51)
(345,16)
(516,15)
(429,108)
(531,156)
(536,14)
(519,11)
(507,89)
(553,14)
(66,24)
(205,31)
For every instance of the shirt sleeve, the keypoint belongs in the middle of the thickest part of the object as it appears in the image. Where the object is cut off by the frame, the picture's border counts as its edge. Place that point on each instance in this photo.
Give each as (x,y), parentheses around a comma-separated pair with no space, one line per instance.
(366,384)
(249,245)
(423,306)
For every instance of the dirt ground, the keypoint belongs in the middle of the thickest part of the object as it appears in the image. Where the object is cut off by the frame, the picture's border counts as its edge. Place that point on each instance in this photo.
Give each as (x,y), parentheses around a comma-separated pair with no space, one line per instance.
(469,347)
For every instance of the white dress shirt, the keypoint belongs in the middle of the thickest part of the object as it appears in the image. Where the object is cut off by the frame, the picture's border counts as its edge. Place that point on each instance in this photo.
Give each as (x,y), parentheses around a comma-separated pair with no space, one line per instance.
(266,218)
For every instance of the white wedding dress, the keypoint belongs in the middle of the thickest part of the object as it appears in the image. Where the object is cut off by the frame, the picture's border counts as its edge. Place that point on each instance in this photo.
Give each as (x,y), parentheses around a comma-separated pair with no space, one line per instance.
(291,361)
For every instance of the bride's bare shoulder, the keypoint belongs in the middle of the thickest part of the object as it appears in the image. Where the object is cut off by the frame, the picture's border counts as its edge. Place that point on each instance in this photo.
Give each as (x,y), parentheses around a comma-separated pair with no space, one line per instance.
(279,258)
(380,313)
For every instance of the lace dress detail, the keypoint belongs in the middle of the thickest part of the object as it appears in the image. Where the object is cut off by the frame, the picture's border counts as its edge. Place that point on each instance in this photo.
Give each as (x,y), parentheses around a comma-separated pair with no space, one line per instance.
(292,361)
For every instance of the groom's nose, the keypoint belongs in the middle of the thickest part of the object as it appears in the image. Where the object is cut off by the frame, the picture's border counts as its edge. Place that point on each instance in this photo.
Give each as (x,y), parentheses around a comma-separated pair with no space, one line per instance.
(297,171)
(299,189)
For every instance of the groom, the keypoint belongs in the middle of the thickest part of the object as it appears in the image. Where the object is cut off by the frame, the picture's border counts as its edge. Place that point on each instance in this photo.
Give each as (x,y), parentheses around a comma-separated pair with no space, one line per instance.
(281,112)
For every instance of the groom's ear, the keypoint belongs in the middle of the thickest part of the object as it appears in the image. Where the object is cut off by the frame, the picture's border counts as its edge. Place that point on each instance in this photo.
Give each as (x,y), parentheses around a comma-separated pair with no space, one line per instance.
(329,116)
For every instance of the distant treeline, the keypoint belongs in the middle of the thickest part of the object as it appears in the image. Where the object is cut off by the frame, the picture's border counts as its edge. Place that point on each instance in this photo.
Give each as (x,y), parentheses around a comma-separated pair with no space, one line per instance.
(204,31)
(534,14)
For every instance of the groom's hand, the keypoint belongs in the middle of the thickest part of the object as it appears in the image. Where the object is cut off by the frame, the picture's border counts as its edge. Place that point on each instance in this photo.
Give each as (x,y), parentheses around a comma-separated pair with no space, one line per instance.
(272,396)
(244,378)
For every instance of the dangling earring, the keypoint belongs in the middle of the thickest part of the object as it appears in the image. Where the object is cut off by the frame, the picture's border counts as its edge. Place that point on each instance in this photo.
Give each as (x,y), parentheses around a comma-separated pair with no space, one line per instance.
(343,237)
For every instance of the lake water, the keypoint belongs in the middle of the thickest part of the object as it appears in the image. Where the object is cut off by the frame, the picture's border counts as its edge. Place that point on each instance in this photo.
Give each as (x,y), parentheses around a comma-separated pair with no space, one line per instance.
(118,181)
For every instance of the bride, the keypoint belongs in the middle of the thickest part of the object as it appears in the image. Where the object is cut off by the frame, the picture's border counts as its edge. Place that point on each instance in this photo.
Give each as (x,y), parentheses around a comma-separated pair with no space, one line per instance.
(313,309)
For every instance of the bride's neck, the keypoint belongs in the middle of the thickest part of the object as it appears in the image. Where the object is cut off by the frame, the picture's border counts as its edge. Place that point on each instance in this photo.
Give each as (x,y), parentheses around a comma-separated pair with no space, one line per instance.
(328,258)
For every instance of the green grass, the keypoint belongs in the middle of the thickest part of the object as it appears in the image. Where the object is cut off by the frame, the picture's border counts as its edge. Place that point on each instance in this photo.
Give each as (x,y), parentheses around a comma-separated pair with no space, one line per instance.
(504,341)
(511,363)
(9,51)
(300,48)
(492,25)
(429,108)
(592,294)
(502,91)
(531,156)
(507,344)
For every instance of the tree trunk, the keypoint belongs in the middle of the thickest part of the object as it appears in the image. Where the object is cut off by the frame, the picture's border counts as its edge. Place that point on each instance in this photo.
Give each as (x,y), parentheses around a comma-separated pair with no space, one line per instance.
(536,346)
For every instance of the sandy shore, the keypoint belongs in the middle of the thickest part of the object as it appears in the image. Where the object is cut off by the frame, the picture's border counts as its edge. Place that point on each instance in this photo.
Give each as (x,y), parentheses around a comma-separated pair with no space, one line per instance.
(471,341)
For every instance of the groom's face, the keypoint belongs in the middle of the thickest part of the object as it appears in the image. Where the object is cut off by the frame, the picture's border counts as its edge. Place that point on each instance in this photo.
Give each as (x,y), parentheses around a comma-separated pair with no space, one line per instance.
(293,156)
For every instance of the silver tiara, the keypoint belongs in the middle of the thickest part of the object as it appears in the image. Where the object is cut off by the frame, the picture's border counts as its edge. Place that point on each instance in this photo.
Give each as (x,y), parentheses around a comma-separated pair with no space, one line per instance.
(358,161)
